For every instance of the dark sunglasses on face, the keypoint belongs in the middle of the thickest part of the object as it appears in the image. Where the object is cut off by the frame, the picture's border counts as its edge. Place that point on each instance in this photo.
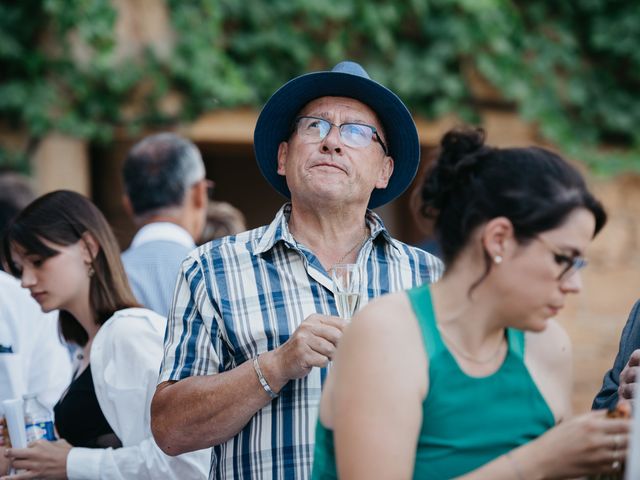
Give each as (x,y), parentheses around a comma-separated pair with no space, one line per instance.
(570,264)
(357,135)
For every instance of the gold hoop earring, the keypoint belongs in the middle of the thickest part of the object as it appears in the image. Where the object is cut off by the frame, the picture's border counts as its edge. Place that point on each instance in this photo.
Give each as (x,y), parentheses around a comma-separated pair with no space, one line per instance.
(497,259)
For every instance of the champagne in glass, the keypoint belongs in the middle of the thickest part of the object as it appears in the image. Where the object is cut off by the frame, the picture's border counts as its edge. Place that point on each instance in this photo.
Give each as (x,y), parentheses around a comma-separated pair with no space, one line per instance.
(346,288)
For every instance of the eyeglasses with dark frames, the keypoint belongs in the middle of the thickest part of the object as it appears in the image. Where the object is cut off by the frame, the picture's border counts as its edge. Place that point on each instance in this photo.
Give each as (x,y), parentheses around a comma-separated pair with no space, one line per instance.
(357,135)
(570,264)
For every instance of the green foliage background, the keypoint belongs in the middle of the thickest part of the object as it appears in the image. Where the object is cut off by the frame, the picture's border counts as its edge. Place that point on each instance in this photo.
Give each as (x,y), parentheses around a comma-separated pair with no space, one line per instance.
(573,67)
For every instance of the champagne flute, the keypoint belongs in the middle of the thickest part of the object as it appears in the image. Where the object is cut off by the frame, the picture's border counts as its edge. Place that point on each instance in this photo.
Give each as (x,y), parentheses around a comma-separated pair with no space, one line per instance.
(346,288)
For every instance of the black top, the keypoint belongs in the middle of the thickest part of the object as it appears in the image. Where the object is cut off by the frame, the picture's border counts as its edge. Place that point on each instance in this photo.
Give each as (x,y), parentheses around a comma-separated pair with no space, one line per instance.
(79,419)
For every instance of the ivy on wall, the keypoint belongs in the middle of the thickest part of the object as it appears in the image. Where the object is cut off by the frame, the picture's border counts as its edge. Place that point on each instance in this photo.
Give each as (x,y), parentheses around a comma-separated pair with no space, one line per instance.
(573,68)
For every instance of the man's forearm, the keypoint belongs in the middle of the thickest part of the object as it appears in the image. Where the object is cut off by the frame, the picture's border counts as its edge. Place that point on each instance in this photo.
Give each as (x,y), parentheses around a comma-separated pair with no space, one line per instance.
(203,411)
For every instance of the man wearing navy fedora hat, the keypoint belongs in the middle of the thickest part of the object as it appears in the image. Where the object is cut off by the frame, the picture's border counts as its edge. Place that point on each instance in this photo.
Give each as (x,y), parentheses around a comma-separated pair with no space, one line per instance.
(254,322)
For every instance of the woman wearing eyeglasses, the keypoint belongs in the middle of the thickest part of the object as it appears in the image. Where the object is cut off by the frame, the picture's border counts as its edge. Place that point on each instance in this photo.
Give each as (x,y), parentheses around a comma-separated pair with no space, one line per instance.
(62,249)
(471,377)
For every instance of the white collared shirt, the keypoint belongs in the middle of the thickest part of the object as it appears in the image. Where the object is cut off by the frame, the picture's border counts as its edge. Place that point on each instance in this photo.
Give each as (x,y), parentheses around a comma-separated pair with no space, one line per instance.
(153,261)
(32,357)
(163,231)
(125,358)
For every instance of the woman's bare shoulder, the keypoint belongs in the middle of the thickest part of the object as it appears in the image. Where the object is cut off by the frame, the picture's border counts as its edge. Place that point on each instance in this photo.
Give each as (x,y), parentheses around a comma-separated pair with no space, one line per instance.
(387,316)
(386,333)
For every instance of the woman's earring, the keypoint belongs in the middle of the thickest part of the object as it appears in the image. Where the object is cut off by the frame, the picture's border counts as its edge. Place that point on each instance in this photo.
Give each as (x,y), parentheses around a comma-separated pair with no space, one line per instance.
(90,271)
(497,259)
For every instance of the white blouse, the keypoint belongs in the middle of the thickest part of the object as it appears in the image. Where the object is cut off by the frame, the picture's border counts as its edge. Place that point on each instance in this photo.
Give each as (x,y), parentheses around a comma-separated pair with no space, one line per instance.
(125,361)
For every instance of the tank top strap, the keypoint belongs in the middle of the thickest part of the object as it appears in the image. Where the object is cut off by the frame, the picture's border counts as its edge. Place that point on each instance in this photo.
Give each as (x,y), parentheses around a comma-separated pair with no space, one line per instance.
(515,339)
(420,298)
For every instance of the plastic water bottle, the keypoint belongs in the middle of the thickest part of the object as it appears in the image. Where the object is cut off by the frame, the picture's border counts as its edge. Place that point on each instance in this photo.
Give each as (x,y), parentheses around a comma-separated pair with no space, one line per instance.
(38,420)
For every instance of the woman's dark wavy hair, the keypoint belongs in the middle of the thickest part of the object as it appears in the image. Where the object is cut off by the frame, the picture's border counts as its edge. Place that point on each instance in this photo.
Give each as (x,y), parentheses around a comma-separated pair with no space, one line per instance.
(62,218)
(471,183)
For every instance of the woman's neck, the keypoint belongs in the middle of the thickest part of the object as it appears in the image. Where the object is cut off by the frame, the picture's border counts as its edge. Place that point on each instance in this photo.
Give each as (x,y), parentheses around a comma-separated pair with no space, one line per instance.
(469,316)
(85,316)
(469,326)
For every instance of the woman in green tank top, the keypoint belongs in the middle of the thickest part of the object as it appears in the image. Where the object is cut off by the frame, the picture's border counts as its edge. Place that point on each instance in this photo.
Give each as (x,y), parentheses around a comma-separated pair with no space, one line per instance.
(471,377)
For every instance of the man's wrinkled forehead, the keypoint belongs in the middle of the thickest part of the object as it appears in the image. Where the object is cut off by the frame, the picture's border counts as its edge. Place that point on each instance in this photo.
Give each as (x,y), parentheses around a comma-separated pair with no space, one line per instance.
(350,109)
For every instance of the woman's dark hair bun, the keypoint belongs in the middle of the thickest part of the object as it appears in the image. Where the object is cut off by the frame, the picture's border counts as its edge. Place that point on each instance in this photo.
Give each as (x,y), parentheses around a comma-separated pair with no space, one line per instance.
(460,142)
(471,183)
(461,150)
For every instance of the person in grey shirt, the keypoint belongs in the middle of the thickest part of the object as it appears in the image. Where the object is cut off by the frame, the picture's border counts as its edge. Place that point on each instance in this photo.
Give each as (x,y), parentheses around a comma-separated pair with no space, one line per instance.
(620,381)
(166,194)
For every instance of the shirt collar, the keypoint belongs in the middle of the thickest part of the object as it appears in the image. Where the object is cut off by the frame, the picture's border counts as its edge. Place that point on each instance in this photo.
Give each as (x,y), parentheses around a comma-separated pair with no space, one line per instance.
(278,230)
(162,231)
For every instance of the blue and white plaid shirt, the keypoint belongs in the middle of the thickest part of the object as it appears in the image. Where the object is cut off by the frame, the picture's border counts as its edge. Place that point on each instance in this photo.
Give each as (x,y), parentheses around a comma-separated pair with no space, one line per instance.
(243,295)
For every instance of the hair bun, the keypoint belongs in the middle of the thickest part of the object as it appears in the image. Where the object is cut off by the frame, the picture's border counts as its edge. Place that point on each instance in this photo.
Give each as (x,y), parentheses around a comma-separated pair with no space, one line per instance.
(460,142)
(454,167)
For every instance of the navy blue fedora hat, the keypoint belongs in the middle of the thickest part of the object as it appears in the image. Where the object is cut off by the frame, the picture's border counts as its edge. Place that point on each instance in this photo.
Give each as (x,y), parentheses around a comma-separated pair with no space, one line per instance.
(346,79)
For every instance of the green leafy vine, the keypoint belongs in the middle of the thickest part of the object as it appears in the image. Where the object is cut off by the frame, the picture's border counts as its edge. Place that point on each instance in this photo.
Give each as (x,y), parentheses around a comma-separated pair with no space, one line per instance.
(572,68)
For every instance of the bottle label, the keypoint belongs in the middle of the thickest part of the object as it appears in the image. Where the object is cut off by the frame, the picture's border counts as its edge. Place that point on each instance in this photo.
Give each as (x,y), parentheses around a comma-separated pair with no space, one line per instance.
(40,430)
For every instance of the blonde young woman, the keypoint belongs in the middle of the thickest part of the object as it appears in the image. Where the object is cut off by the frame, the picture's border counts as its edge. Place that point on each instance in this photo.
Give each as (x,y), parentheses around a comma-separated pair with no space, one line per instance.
(471,377)
(62,249)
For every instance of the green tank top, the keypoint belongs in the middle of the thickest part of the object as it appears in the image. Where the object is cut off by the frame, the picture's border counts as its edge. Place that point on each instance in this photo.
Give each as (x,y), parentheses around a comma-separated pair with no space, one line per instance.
(466,421)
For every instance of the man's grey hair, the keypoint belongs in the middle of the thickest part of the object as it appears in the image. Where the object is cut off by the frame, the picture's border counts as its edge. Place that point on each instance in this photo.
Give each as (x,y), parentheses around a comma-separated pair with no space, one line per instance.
(159,170)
